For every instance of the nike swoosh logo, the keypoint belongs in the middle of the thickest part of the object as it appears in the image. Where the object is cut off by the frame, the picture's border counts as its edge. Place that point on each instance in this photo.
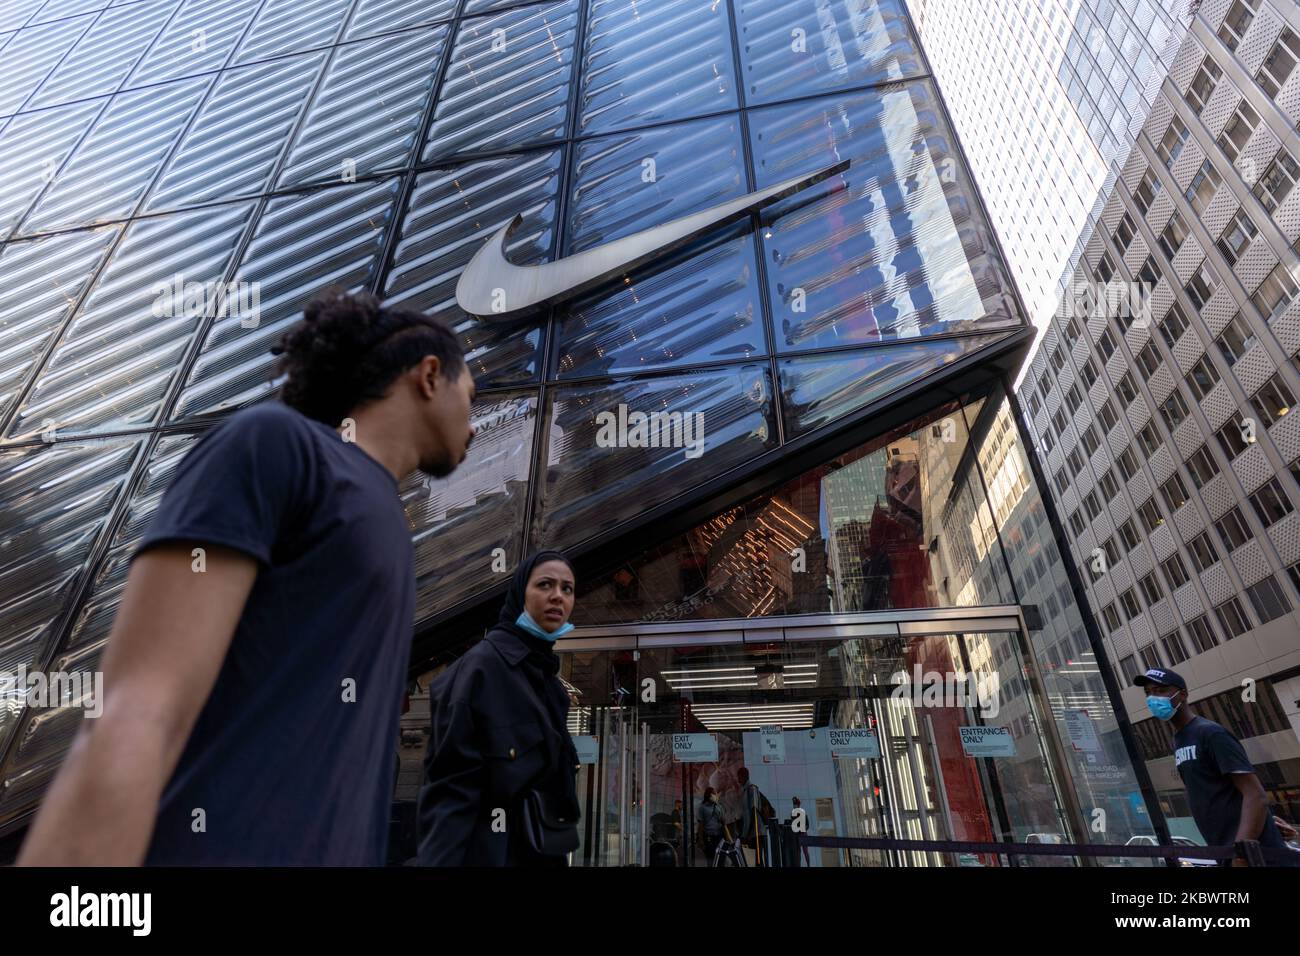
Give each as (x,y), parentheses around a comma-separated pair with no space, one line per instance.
(492,287)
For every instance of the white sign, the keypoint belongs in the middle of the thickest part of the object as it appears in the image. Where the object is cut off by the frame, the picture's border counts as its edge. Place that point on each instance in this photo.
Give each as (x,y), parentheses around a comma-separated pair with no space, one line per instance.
(1082,731)
(695,748)
(771,741)
(588,748)
(987,742)
(853,742)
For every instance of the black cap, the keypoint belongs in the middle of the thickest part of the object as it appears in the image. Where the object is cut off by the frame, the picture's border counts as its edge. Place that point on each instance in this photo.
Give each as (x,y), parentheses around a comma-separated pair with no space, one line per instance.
(1158,675)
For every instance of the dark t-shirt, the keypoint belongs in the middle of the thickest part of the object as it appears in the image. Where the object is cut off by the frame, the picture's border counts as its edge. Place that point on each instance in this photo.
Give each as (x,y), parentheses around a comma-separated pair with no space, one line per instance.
(291,759)
(1207,756)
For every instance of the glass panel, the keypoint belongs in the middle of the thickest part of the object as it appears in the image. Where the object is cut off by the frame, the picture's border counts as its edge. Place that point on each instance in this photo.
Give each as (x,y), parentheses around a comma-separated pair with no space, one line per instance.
(199,38)
(450,215)
(892,248)
(899,522)
(239,135)
(816,391)
(44,279)
(699,304)
(1102,776)
(811,46)
(105,54)
(32,148)
(286,26)
(384,16)
(631,181)
(302,244)
(108,173)
(120,353)
(508,83)
(608,460)
(57,500)
(30,55)
(16,14)
(460,521)
(367,114)
(650,62)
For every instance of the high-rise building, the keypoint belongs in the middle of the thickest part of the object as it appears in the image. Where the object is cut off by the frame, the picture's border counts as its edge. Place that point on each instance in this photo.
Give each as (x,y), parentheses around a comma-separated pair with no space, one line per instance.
(1047,97)
(1162,396)
(182,177)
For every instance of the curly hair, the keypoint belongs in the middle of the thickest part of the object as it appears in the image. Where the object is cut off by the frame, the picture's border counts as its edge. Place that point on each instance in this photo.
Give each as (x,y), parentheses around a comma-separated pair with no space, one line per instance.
(348,349)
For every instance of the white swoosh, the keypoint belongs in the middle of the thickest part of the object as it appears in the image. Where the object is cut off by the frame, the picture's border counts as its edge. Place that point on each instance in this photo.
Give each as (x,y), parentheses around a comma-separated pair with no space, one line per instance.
(492,287)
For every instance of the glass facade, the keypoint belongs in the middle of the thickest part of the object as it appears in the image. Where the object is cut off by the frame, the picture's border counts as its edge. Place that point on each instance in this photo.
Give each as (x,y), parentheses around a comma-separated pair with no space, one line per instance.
(187,175)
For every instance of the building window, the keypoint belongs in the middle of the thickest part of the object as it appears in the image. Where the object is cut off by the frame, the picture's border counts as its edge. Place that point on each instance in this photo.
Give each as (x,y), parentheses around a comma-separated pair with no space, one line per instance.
(1129,535)
(1126,389)
(1235,340)
(1077,524)
(1128,466)
(1275,293)
(1204,185)
(1268,599)
(1202,285)
(1203,84)
(1058,358)
(1277,181)
(1202,634)
(1048,441)
(1075,461)
(1173,325)
(1059,422)
(1173,236)
(1147,191)
(1091,505)
(1148,276)
(1072,331)
(1232,619)
(1233,530)
(1203,554)
(1237,22)
(1236,237)
(1035,406)
(1235,135)
(1174,410)
(1105,269)
(1150,514)
(1150,657)
(1148,360)
(1112,552)
(1106,345)
(1106,415)
(1294,573)
(1172,143)
(1128,667)
(1203,377)
(1045,386)
(1111,617)
(1149,439)
(1089,439)
(1279,63)
(1202,467)
(1174,650)
(1273,401)
(1088,372)
(1073,399)
(1108,485)
(1124,234)
(1175,573)
(1271,503)
(1129,602)
(1234,437)
(1150,588)
(1174,492)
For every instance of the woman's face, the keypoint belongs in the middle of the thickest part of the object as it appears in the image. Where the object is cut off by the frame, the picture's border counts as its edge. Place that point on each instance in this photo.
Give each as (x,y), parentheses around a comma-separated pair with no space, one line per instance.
(548,599)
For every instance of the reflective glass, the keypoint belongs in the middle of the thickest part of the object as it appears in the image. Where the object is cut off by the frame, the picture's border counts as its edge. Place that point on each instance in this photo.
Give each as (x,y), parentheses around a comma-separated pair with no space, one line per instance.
(32,148)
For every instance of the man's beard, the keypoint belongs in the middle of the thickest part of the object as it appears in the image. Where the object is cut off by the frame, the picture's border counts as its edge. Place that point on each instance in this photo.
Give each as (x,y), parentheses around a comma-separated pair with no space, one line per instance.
(438,466)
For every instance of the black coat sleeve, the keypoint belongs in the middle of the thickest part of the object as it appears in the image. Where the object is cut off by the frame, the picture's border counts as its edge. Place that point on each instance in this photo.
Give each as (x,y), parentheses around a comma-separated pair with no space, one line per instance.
(454,780)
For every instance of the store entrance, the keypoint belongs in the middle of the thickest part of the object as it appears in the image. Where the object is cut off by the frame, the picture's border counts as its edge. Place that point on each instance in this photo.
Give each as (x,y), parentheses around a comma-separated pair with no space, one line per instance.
(712,747)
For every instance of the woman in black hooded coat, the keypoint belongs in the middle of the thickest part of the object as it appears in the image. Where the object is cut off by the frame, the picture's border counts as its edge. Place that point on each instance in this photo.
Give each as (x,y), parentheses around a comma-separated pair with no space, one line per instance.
(500,758)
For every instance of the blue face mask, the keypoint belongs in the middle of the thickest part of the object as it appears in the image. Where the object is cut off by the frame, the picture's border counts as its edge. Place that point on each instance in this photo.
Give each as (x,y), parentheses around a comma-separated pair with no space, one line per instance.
(1161,707)
(532,627)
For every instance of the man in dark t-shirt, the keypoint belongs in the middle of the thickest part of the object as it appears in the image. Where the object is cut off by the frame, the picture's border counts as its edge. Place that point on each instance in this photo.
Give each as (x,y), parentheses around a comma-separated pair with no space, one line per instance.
(1227,800)
(254,673)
